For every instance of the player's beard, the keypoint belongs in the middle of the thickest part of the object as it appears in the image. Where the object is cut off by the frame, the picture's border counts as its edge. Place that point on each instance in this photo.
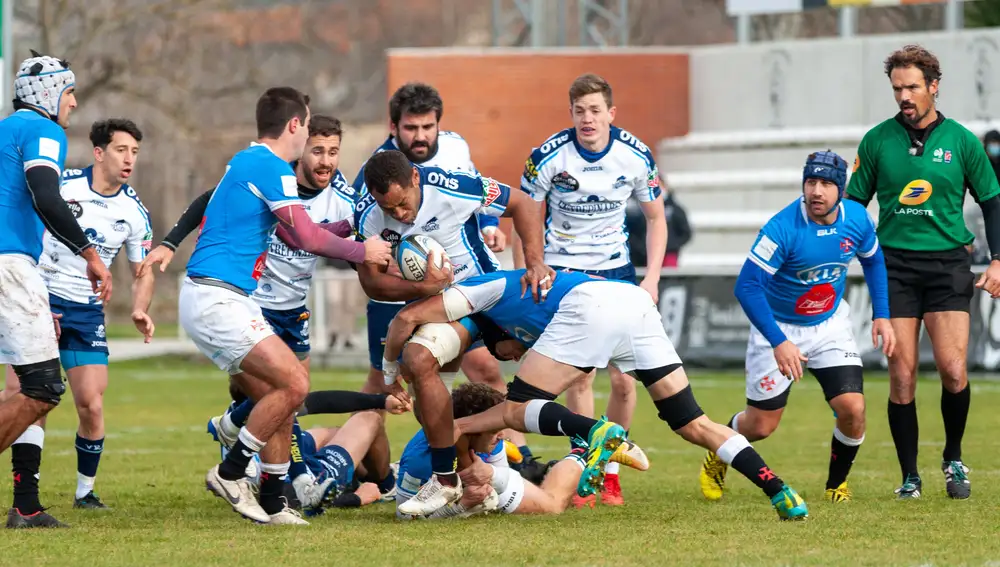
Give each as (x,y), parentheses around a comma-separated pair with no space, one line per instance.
(917,115)
(408,151)
(313,182)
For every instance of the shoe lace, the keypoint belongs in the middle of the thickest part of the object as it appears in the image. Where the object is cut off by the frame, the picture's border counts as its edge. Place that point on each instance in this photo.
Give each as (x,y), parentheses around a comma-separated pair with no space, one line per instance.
(432,488)
(956,471)
(909,484)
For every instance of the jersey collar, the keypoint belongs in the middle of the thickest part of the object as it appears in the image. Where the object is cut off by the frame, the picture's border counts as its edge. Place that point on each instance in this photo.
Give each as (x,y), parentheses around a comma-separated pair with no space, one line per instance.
(589,156)
(88,172)
(805,216)
(269,148)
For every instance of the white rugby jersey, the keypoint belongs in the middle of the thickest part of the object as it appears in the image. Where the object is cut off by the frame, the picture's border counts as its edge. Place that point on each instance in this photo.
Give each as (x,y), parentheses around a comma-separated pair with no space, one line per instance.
(585,195)
(288,273)
(110,222)
(450,201)
(453,154)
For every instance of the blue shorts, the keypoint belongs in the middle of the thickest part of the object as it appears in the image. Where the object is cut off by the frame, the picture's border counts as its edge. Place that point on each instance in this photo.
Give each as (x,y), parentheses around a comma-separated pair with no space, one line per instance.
(379,317)
(291,326)
(332,461)
(625,273)
(83,339)
(414,466)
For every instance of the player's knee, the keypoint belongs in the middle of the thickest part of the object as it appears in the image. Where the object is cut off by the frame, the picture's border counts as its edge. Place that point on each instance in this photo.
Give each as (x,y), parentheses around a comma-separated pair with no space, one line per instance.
(680,409)
(757,429)
(622,385)
(90,409)
(298,385)
(953,375)
(483,371)
(584,384)
(419,361)
(519,391)
(42,381)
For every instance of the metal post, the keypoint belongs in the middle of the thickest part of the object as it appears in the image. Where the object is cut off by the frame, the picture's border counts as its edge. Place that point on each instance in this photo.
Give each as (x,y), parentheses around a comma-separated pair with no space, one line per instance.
(497,28)
(581,12)
(953,16)
(7,53)
(848,17)
(561,23)
(537,23)
(744,30)
(623,23)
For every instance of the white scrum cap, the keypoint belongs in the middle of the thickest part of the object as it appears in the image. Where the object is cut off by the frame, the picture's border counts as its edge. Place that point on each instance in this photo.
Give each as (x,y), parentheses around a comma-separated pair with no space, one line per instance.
(41,81)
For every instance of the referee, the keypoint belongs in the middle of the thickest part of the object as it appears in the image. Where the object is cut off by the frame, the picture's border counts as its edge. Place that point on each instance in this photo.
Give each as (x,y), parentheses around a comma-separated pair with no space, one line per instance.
(918,165)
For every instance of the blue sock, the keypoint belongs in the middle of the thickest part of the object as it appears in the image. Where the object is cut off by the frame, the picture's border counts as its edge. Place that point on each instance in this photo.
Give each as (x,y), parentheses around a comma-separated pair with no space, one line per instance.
(525,452)
(386,484)
(298,465)
(88,455)
(241,413)
(443,460)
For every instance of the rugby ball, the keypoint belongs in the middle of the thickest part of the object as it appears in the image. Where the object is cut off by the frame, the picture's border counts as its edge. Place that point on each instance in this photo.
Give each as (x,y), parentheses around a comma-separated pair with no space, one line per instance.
(412,252)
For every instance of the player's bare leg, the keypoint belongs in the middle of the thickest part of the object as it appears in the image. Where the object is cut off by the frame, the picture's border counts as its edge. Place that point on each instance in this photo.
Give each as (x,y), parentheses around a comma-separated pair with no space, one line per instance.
(88,383)
(676,405)
(26,460)
(274,364)
(580,399)
(902,406)
(556,491)
(342,448)
(621,406)
(949,334)
(480,367)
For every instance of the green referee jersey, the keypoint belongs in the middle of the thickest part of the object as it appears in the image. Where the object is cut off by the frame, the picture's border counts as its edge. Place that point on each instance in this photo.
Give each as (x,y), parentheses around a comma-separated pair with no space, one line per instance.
(920,197)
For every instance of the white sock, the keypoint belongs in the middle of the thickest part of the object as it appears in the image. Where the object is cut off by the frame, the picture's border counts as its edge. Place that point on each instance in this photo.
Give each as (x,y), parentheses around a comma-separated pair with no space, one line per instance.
(849,441)
(250,441)
(732,447)
(611,468)
(228,427)
(734,424)
(531,413)
(280,469)
(33,435)
(576,459)
(84,484)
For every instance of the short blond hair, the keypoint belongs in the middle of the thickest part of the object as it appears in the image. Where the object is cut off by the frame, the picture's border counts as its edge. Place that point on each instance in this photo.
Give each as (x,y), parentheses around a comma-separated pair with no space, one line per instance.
(589,83)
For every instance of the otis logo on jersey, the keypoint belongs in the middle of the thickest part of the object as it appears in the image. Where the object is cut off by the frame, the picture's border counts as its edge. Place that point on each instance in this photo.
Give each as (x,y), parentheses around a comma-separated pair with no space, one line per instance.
(916,192)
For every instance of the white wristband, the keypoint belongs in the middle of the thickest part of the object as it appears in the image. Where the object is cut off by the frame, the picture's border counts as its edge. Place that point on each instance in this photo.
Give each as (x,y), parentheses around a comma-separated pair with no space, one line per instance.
(487,230)
(390,369)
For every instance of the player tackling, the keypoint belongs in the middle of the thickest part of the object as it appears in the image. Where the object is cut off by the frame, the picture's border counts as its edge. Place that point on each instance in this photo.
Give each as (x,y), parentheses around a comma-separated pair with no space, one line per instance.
(791,288)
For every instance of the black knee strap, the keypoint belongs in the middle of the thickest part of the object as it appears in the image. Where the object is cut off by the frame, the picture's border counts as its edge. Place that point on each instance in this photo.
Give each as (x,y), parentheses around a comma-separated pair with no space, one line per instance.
(41,381)
(680,409)
(520,391)
(837,380)
(650,377)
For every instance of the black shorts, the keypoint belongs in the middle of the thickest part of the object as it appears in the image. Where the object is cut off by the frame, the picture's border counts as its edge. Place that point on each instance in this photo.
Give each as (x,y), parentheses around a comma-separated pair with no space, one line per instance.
(928,282)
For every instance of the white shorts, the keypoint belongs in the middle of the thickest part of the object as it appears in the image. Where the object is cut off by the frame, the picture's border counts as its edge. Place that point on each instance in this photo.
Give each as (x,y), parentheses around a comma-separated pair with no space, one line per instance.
(224,325)
(27,335)
(829,344)
(605,322)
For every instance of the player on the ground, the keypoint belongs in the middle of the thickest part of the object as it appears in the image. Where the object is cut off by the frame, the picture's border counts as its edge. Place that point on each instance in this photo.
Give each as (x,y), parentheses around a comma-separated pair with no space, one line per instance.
(918,164)
(415,112)
(403,200)
(513,494)
(319,473)
(583,323)
(113,217)
(584,177)
(791,288)
(257,194)
(33,144)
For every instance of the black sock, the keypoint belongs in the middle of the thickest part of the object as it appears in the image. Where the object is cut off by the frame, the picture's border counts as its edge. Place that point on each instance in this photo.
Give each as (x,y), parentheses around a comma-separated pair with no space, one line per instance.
(443,464)
(272,488)
(26,459)
(234,467)
(386,484)
(556,420)
(841,459)
(752,466)
(905,433)
(955,412)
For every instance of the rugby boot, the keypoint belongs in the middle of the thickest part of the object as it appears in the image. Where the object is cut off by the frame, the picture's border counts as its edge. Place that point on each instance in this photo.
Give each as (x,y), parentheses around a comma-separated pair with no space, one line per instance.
(840,494)
(910,488)
(604,439)
(90,502)
(956,479)
(40,519)
(431,496)
(789,505)
(713,476)
(612,493)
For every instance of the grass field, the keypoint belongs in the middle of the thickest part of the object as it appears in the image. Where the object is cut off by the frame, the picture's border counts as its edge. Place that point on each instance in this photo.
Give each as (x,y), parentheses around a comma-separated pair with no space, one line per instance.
(157,453)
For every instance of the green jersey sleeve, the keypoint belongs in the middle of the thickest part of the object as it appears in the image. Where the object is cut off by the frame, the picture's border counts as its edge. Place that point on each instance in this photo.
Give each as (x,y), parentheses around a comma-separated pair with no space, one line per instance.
(865,172)
(979,174)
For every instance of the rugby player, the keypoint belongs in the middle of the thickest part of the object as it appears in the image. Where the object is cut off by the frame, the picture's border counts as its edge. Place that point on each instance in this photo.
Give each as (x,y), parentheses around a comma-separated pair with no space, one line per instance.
(415,111)
(584,176)
(918,165)
(791,288)
(33,143)
(403,200)
(258,192)
(511,493)
(583,323)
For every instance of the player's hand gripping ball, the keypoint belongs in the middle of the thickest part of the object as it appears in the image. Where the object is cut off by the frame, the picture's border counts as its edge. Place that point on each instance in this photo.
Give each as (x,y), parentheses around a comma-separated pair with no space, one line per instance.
(412,253)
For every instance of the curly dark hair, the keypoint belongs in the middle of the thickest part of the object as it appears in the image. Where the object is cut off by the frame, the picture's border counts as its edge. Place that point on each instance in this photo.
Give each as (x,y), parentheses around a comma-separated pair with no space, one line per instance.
(470,399)
(102,131)
(323,125)
(385,168)
(415,98)
(914,56)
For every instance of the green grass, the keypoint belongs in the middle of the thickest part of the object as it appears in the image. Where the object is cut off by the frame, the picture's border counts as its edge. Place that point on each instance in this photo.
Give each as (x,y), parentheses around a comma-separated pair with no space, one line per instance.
(157,454)
(126,330)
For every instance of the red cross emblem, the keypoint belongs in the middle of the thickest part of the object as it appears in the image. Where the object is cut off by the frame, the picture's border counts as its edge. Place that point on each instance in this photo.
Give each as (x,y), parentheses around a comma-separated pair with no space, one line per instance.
(846,245)
(767,383)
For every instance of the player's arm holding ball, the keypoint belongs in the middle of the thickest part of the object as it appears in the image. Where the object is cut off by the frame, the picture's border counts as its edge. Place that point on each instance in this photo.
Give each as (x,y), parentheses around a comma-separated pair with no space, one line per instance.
(766,256)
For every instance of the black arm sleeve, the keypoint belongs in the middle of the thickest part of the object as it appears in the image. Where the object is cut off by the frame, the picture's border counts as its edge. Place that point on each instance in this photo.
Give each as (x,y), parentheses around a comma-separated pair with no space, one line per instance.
(43,184)
(853,198)
(190,219)
(991,222)
(337,401)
